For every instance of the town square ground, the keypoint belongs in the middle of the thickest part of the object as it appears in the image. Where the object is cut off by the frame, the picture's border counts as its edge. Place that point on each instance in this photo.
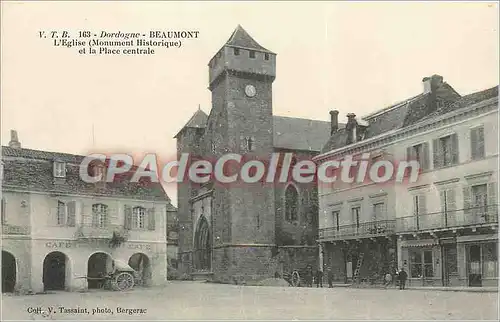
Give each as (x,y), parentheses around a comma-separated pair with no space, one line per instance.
(203,301)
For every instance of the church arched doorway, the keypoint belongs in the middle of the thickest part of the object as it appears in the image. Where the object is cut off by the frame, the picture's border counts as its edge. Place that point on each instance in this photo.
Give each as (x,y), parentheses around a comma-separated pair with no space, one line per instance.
(142,266)
(203,245)
(99,265)
(54,271)
(8,272)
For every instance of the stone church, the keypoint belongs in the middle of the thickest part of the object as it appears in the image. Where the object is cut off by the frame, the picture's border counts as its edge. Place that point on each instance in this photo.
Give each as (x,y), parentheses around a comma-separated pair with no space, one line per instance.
(244,233)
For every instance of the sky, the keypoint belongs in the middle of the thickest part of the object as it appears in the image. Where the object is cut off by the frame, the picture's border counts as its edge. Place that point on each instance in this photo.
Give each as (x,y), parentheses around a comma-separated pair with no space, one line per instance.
(349,56)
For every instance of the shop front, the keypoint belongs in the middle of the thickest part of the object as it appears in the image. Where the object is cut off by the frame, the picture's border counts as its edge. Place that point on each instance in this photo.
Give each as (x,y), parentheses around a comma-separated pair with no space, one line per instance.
(480,260)
(464,261)
(65,264)
(421,259)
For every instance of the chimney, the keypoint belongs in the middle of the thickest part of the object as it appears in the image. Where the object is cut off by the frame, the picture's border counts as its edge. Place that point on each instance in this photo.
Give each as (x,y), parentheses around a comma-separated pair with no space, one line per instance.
(14,141)
(334,123)
(351,127)
(432,83)
(427,84)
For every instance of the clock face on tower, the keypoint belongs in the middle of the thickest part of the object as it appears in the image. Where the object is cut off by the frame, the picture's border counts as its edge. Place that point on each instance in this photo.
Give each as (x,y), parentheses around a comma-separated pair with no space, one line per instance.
(250,90)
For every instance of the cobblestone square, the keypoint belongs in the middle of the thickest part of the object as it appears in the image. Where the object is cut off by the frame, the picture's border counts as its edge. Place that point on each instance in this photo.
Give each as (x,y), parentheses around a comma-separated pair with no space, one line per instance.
(202,301)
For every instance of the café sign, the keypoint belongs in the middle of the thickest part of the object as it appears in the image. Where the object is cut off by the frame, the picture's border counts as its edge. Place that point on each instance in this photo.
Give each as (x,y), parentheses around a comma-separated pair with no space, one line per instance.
(72,244)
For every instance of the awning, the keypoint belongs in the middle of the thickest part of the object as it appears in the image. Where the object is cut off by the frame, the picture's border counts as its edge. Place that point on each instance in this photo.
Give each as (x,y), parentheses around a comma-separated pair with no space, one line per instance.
(476,238)
(419,243)
(122,266)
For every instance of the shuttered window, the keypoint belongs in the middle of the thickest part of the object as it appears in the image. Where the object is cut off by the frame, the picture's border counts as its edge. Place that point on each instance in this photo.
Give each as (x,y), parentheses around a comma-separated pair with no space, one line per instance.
(128,217)
(419,205)
(419,208)
(448,206)
(378,211)
(467,200)
(480,201)
(4,208)
(139,218)
(419,153)
(336,220)
(99,215)
(355,212)
(492,197)
(61,213)
(151,219)
(477,143)
(448,200)
(71,212)
(66,213)
(445,151)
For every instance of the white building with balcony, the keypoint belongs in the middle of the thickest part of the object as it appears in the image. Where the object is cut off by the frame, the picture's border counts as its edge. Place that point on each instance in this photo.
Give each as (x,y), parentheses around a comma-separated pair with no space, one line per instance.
(57,230)
(442,229)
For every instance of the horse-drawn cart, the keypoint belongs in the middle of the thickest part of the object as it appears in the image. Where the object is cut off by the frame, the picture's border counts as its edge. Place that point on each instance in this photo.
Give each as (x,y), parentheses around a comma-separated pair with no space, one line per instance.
(121,278)
(298,278)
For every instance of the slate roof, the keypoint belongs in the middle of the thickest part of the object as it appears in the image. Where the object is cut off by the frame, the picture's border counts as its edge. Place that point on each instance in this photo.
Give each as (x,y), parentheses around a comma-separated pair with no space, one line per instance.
(465,101)
(393,118)
(198,120)
(300,134)
(32,170)
(289,132)
(414,110)
(240,38)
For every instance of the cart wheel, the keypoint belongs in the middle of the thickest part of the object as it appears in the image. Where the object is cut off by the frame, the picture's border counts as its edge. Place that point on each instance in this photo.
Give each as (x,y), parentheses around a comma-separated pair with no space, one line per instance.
(295,279)
(123,281)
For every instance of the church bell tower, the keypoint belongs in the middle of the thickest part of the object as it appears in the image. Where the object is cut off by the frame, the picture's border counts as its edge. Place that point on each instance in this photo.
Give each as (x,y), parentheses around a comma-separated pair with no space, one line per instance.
(240,78)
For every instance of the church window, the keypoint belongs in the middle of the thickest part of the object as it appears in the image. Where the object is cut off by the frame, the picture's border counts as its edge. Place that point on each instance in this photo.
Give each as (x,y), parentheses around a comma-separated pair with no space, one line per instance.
(203,245)
(251,54)
(250,143)
(247,143)
(266,56)
(291,203)
(236,51)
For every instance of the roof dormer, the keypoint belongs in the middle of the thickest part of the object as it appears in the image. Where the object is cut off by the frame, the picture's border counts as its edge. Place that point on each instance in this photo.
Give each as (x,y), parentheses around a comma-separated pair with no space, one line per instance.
(59,169)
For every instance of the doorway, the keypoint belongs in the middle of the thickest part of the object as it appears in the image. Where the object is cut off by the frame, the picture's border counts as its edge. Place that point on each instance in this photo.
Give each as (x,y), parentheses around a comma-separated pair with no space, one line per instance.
(98,267)
(141,264)
(54,271)
(203,245)
(450,268)
(474,265)
(8,272)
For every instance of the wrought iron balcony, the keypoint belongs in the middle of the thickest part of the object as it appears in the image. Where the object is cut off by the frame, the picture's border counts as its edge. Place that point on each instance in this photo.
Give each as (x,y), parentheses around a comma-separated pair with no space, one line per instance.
(478,216)
(90,231)
(15,230)
(363,230)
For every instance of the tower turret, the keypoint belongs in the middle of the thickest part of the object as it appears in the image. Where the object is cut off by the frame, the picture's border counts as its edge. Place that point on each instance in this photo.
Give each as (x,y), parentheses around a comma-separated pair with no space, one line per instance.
(241,54)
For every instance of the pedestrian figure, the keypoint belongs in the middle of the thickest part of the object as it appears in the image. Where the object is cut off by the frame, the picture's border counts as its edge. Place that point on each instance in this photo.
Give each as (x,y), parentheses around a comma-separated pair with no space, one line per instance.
(388,280)
(330,277)
(309,277)
(402,279)
(319,278)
